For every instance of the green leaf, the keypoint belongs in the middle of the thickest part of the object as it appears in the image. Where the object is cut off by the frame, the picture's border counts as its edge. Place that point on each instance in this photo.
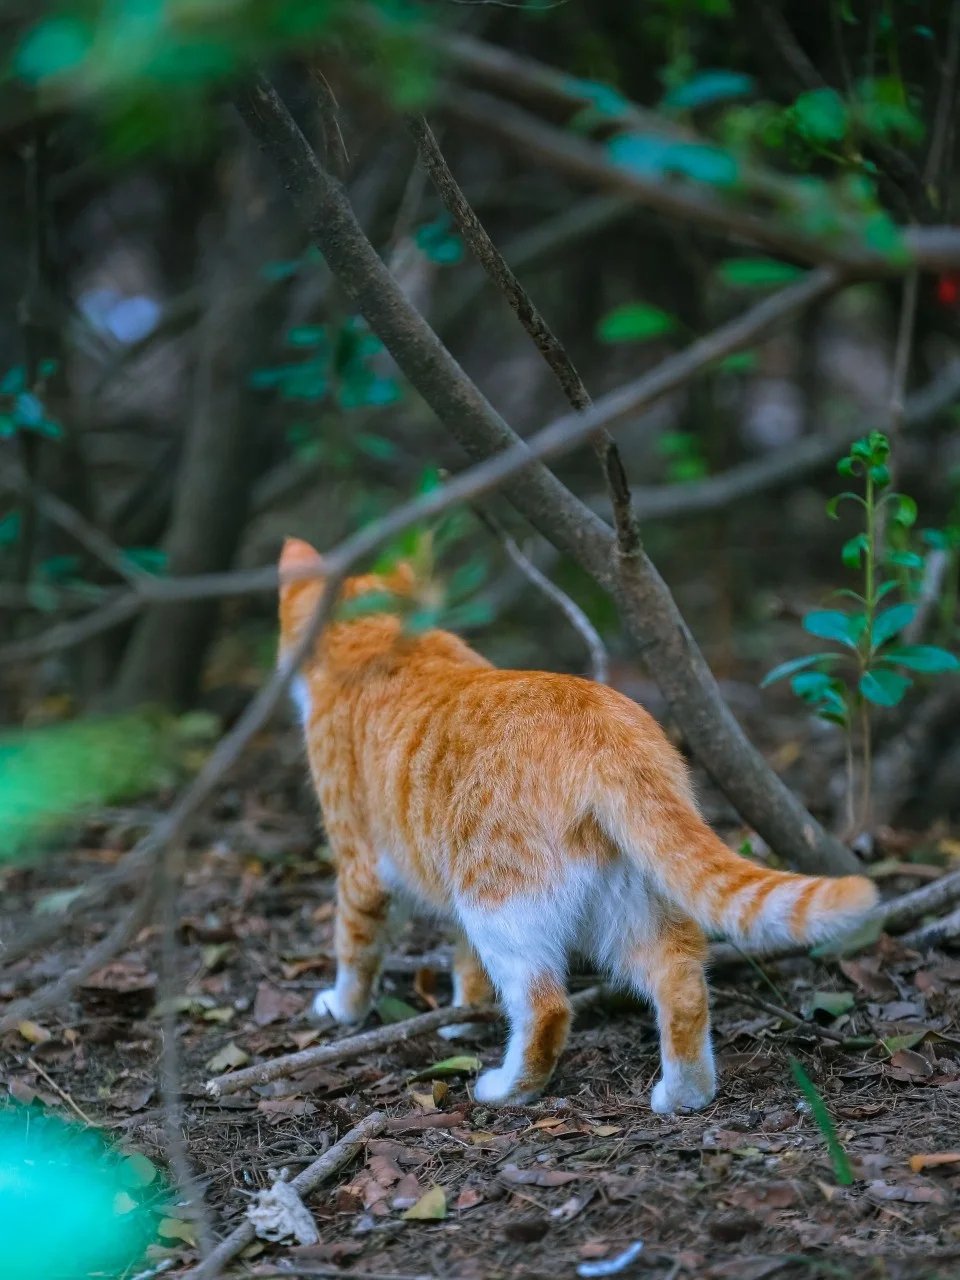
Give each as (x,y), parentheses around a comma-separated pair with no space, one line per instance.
(904,559)
(708,88)
(830,624)
(832,1002)
(835,501)
(307,335)
(813,685)
(653,156)
(392,1009)
(451,1066)
(150,559)
(922,657)
(884,688)
(852,552)
(880,475)
(892,621)
(794,665)
(820,115)
(904,510)
(431,1206)
(54,47)
(909,1040)
(757,273)
(738,362)
(635,322)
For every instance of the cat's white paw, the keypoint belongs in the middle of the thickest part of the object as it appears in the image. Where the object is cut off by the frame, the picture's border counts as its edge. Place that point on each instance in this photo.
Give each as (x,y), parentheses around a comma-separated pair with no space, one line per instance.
(689,1089)
(499,1088)
(329,1003)
(460,1030)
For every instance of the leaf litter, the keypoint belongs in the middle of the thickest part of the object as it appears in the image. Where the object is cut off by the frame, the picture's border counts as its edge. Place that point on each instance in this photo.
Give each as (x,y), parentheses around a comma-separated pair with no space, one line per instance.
(457,1189)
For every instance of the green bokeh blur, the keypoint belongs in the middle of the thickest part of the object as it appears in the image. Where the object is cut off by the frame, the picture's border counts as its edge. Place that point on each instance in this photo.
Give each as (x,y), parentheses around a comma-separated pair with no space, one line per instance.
(71,1205)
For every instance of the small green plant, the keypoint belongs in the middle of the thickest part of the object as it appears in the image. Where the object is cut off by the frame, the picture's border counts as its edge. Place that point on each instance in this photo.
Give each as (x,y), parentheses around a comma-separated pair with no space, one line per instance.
(868,668)
(842,1169)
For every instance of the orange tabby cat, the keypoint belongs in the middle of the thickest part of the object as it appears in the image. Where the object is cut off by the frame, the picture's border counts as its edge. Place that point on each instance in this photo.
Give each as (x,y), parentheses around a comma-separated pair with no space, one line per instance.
(542,814)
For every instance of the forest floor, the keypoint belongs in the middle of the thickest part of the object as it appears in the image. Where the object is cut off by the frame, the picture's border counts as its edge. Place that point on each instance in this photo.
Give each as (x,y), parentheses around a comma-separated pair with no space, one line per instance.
(745,1189)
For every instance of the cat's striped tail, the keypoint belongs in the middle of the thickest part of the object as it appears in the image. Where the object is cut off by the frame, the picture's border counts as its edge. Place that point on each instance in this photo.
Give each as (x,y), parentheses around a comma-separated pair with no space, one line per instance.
(730,895)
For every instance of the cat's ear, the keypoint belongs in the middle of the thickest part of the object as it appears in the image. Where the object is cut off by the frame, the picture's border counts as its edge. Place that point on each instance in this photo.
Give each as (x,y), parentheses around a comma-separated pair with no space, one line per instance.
(297,557)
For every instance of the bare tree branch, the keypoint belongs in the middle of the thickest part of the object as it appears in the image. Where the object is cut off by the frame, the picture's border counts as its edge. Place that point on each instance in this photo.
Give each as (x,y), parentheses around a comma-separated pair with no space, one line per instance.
(657,628)
(934,248)
(599,659)
(533,321)
(784,466)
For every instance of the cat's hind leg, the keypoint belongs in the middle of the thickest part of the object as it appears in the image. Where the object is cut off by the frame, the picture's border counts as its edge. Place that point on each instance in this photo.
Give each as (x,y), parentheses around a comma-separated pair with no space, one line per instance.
(471,986)
(360,935)
(518,949)
(669,967)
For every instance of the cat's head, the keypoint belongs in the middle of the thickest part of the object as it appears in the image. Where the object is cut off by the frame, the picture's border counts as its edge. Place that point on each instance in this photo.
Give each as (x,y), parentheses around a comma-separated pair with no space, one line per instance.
(302,581)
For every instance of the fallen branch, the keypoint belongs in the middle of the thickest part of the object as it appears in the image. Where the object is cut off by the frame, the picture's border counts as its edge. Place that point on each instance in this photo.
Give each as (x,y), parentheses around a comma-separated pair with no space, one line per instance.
(356,1046)
(936,932)
(713,733)
(348,1048)
(332,1160)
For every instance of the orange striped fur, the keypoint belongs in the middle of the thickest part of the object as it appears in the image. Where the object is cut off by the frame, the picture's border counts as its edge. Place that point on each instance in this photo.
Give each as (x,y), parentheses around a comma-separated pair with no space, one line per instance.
(542,814)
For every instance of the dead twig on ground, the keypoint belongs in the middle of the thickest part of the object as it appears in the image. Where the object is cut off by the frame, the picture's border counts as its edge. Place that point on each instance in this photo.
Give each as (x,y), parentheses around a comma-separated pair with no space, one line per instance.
(785,1015)
(935,932)
(332,1160)
(356,1046)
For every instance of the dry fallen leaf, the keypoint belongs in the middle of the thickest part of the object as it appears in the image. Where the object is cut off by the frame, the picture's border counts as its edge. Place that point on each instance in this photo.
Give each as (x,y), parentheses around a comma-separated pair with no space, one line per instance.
(272,1004)
(227,1058)
(914,1064)
(32,1032)
(919,1194)
(468,1198)
(919,1163)
(431,1206)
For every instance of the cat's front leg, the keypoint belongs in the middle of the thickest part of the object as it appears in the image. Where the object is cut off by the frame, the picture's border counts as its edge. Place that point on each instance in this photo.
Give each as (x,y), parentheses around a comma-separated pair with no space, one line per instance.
(471,986)
(670,969)
(359,938)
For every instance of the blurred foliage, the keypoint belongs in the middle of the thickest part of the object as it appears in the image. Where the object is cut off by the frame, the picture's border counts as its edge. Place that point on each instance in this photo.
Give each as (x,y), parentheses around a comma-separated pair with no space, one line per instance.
(141,65)
(72,1204)
(50,776)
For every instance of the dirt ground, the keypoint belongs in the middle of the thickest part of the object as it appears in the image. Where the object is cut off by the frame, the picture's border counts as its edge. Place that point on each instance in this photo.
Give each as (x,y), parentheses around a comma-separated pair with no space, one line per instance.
(744,1190)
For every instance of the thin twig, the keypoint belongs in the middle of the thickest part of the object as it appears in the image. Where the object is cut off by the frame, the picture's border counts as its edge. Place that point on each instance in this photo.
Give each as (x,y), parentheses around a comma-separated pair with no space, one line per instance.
(936,932)
(78,526)
(943,118)
(777,1011)
(61,1093)
(599,659)
(533,321)
(331,1162)
(356,1046)
(170,868)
